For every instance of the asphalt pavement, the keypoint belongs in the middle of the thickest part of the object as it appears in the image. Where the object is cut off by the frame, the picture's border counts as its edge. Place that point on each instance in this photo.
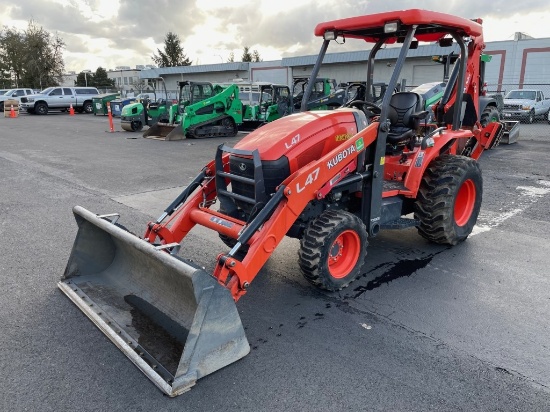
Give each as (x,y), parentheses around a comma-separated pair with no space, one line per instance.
(427,328)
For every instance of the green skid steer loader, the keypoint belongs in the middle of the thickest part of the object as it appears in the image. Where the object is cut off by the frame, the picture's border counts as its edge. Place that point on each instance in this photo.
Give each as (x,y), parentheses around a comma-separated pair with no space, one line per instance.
(203,110)
(264,102)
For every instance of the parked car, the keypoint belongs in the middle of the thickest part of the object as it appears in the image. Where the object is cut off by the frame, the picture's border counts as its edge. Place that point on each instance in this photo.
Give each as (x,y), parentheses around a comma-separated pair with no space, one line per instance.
(525,105)
(60,98)
(13,94)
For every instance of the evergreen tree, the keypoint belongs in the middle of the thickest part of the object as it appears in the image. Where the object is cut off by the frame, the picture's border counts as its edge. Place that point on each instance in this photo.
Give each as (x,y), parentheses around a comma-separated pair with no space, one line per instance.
(256,56)
(100,79)
(173,54)
(247,56)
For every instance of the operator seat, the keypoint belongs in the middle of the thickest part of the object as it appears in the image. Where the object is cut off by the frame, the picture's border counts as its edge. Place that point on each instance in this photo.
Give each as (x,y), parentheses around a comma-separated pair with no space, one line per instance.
(405,112)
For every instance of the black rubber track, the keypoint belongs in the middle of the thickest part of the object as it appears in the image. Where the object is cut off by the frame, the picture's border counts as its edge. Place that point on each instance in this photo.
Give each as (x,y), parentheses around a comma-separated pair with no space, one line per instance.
(315,248)
(434,206)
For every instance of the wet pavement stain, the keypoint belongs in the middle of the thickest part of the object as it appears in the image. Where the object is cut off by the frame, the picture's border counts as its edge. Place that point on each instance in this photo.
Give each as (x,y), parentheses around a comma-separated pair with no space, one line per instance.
(400,269)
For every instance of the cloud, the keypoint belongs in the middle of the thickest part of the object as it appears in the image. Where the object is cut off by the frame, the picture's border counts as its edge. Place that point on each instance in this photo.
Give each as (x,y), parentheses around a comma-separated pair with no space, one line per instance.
(128,32)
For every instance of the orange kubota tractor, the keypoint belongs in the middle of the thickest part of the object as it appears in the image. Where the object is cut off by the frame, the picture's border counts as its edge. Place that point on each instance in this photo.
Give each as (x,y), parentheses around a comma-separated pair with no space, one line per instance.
(330,178)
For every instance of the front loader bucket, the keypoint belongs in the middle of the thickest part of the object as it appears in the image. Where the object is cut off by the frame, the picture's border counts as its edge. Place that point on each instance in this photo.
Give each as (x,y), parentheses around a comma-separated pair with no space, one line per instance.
(164,131)
(170,317)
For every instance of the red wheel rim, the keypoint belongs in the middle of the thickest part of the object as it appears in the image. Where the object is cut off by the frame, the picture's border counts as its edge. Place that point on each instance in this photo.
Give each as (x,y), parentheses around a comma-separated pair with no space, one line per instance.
(343,254)
(464,203)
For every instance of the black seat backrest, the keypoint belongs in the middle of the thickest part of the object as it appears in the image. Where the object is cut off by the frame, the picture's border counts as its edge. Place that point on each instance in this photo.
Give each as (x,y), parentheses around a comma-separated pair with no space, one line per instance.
(402,106)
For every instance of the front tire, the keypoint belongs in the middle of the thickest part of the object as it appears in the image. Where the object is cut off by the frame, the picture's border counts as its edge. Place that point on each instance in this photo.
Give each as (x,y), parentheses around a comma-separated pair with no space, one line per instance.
(41,108)
(449,199)
(531,118)
(333,249)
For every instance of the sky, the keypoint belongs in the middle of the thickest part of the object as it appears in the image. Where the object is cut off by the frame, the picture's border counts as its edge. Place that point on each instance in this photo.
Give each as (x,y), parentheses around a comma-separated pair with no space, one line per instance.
(110,33)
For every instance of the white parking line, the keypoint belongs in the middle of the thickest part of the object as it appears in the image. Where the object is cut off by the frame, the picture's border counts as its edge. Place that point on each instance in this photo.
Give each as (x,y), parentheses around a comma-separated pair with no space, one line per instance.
(528,195)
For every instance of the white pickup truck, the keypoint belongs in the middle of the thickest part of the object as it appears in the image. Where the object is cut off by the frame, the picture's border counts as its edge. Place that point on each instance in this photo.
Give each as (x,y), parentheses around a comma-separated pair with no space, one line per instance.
(60,98)
(13,94)
(525,105)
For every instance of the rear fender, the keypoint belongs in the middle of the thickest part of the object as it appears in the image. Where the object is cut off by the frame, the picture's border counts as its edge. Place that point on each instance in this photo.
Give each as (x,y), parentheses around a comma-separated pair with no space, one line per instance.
(444,143)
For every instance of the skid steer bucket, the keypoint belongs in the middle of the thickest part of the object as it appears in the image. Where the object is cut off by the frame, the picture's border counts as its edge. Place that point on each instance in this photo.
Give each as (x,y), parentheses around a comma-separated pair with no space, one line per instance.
(164,131)
(171,318)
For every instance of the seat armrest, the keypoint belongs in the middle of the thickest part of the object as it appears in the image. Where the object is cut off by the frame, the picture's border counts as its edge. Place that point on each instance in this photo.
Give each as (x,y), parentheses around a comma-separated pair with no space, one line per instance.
(420,115)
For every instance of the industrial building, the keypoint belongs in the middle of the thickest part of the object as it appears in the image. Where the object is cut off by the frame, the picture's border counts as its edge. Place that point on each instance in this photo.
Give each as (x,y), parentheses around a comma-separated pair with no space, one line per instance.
(517,63)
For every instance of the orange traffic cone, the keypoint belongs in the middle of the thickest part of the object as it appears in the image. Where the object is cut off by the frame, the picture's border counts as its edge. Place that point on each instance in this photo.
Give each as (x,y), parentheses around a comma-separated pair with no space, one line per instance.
(12,112)
(71,110)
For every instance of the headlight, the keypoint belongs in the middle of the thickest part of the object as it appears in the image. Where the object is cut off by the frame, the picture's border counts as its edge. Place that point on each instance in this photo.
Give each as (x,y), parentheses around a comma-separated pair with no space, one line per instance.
(330,35)
(527,107)
(391,27)
(30,100)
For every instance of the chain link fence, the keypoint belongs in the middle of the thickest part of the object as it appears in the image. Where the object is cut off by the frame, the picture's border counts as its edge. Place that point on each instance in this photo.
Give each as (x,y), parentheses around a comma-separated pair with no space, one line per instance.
(527,103)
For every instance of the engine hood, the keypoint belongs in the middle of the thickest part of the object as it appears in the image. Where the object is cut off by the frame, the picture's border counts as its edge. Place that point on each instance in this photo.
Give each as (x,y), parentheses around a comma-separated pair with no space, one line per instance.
(305,135)
(518,101)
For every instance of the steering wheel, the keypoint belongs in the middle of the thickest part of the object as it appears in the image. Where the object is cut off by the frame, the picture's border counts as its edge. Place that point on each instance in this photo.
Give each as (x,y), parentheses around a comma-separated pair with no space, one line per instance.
(369,108)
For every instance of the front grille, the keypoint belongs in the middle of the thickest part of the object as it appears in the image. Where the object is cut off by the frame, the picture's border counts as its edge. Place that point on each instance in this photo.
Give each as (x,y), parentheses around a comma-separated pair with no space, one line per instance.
(274,172)
(512,106)
(23,100)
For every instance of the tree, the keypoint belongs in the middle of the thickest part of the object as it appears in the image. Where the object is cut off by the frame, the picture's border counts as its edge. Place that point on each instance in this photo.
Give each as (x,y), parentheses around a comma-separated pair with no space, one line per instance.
(44,57)
(84,79)
(256,56)
(32,57)
(250,57)
(231,58)
(247,56)
(12,57)
(140,85)
(173,54)
(100,79)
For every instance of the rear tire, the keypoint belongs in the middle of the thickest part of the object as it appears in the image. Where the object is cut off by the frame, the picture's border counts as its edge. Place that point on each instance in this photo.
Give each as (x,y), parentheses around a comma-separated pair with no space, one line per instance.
(88,107)
(489,115)
(333,249)
(449,199)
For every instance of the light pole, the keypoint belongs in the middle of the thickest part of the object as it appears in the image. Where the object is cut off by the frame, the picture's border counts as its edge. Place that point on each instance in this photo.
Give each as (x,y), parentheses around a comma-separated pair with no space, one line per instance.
(85,76)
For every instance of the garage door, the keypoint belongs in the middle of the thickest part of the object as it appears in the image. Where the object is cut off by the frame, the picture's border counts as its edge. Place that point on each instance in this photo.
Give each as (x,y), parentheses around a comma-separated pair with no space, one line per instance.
(427,73)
